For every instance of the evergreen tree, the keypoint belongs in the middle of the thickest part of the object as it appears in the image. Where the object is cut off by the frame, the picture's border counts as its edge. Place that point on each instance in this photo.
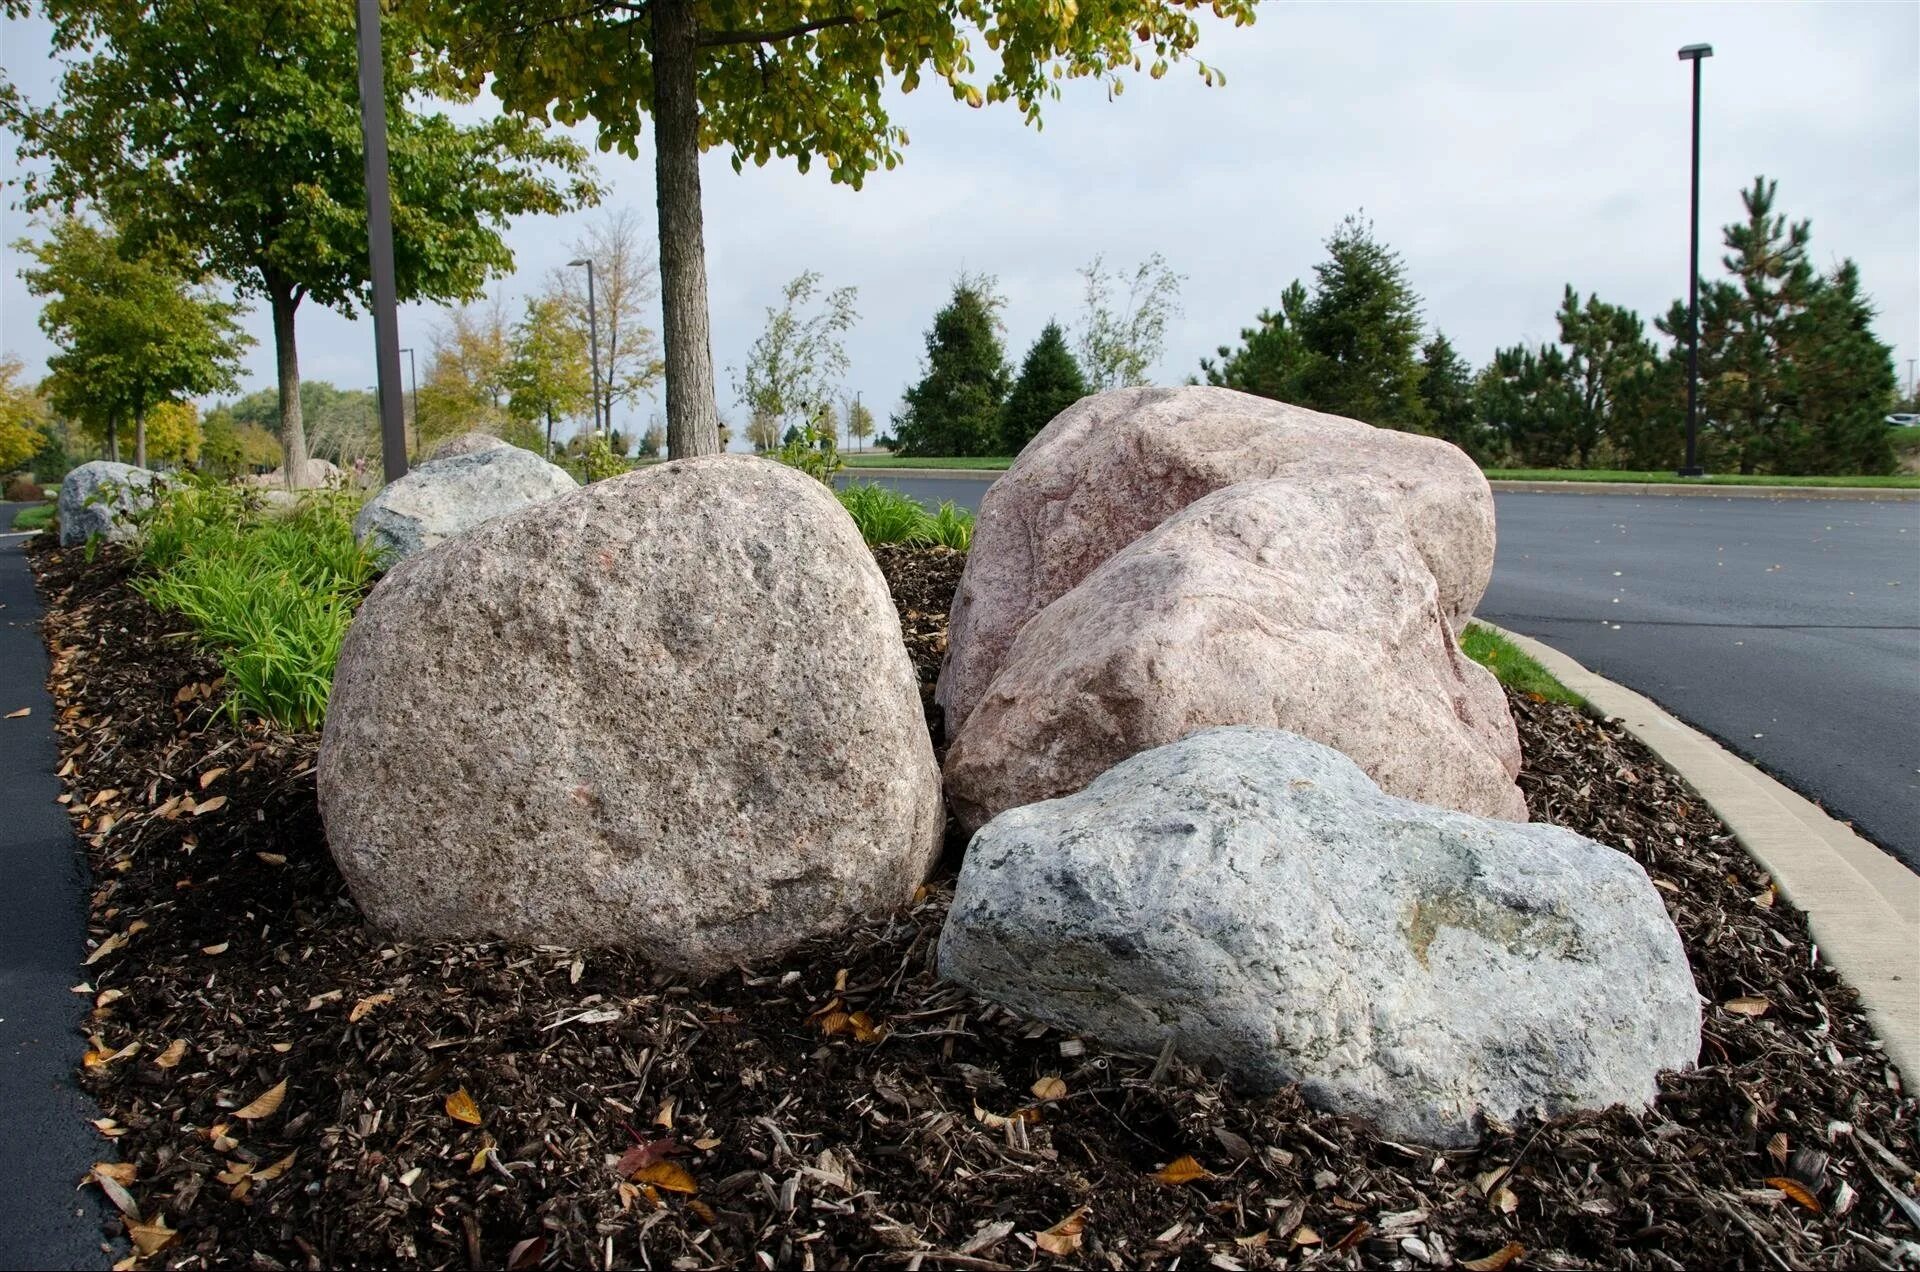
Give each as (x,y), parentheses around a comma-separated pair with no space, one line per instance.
(955,409)
(1049,383)
(1271,361)
(1843,384)
(1446,387)
(1608,358)
(1526,400)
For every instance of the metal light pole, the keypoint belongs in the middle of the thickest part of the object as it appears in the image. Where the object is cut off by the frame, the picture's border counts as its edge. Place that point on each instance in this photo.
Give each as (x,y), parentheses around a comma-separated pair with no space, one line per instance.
(386,323)
(413,390)
(593,347)
(1695,53)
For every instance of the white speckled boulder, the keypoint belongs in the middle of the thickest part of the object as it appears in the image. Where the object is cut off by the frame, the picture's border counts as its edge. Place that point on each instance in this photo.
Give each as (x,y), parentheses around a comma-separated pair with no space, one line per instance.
(1251,895)
(445,497)
(670,711)
(1113,466)
(1302,606)
(467,443)
(96,498)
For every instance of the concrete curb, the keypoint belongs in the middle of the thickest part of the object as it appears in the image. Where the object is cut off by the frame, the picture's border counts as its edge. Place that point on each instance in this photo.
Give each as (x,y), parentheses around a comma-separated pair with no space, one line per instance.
(1862,905)
(1857,494)
(1862,494)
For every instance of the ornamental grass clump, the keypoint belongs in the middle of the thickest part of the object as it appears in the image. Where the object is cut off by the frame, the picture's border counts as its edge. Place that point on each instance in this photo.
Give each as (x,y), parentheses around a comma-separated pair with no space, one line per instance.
(887,516)
(271,595)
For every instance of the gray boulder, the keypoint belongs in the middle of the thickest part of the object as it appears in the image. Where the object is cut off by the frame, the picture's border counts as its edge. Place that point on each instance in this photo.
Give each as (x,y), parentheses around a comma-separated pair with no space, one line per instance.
(315,474)
(1253,896)
(445,497)
(468,443)
(96,498)
(670,711)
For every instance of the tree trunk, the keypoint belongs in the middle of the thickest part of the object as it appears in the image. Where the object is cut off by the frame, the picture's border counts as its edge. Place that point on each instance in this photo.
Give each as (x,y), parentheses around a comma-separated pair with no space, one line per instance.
(293,431)
(693,418)
(140,436)
(113,439)
(548,455)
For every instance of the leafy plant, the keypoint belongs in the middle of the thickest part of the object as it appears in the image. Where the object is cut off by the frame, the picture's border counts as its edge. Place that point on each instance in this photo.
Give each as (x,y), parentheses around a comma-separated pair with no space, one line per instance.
(270,594)
(597,462)
(811,449)
(949,527)
(887,516)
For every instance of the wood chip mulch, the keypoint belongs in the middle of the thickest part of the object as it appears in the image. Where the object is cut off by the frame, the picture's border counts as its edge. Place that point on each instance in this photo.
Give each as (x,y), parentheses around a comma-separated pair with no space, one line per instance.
(280,1087)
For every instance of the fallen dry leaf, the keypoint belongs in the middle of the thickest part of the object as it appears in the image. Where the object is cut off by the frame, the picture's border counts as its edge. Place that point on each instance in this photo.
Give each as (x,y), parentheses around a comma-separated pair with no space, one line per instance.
(1064,1237)
(667,1176)
(266,1105)
(366,1005)
(117,1194)
(1504,1199)
(279,1168)
(173,1055)
(1746,1005)
(1181,1170)
(105,948)
(461,1108)
(15,715)
(1049,1088)
(1305,1236)
(645,1154)
(1796,1191)
(215,949)
(1497,1260)
(527,1254)
(209,777)
(150,1238)
(213,805)
(272,858)
(119,1172)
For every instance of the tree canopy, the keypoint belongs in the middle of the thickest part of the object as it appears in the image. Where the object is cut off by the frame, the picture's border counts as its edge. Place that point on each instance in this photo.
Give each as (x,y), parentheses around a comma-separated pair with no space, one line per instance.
(955,408)
(1049,383)
(800,353)
(230,130)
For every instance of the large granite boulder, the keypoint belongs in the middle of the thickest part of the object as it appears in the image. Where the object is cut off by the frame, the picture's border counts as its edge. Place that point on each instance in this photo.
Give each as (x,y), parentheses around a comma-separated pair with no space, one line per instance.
(98,498)
(314,474)
(1113,466)
(1306,606)
(445,497)
(468,443)
(1253,897)
(670,711)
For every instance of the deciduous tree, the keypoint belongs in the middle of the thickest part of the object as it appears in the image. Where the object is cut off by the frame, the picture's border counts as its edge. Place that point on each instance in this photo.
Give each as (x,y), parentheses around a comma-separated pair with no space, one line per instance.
(1120,339)
(800,353)
(626,284)
(466,381)
(790,78)
(231,129)
(23,417)
(548,374)
(859,421)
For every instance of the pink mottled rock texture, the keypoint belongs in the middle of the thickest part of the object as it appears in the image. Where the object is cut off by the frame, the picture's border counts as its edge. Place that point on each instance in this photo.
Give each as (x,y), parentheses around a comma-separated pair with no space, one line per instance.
(1115,465)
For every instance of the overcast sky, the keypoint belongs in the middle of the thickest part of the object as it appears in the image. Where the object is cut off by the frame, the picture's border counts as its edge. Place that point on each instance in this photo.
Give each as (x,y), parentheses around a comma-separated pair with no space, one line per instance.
(1504,150)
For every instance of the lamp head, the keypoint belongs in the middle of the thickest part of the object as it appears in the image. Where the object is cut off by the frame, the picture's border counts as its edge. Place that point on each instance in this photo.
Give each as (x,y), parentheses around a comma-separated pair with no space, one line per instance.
(581,260)
(1694,52)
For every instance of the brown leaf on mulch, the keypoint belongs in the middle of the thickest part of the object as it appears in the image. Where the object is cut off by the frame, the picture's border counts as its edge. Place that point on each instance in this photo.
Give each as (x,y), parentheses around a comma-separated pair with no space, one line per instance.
(832,1149)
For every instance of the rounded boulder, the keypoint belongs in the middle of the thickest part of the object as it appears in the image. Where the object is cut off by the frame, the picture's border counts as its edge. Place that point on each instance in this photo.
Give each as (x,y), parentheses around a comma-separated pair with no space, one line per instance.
(671,711)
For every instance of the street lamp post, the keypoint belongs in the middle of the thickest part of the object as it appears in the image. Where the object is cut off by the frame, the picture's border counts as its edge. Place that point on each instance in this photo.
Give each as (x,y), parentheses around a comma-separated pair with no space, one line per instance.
(1695,53)
(386,326)
(593,346)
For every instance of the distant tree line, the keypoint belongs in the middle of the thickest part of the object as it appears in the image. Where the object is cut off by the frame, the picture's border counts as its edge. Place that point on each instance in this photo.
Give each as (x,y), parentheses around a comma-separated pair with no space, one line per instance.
(1793,380)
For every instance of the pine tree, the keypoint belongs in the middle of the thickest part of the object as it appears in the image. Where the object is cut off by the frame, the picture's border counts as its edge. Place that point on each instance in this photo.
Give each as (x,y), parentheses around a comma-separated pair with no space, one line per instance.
(1843,383)
(955,409)
(1271,360)
(1446,388)
(1362,326)
(1049,383)
(1526,399)
(1608,358)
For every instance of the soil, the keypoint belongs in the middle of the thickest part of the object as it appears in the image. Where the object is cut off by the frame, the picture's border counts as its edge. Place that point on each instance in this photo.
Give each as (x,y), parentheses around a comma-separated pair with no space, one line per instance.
(281,1087)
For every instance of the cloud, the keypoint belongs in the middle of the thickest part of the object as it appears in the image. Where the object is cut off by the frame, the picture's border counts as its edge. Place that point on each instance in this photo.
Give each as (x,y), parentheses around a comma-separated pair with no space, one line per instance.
(1503,150)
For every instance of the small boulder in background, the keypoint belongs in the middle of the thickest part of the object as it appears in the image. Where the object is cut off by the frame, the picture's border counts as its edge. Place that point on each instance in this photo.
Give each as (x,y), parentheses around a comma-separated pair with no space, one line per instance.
(446,497)
(670,711)
(314,474)
(467,443)
(97,497)
(1253,897)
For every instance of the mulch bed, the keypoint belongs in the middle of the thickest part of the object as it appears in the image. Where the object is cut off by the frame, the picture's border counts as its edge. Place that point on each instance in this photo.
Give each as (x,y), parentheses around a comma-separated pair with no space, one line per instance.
(283,1088)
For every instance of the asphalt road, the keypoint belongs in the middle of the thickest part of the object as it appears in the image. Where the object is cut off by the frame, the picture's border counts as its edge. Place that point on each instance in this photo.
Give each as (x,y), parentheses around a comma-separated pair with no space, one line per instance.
(1789,629)
(45,1220)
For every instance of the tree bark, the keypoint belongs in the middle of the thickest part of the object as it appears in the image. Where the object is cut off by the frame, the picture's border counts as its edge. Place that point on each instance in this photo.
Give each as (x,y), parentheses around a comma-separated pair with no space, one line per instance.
(140,436)
(286,357)
(693,418)
(113,439)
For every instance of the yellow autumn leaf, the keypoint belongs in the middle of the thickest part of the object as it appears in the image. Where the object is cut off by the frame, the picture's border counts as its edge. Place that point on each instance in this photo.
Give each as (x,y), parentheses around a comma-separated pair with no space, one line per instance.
(150,1238)
(667,1176)
(123,1173)
(173,1055)
(461,1108)
(366,1005)
(1497,1260)
(1797,1191)
(279,1168)
(1063,1238)
(105,948)
(1049,1088)
(266,1105)
(1746,1005)
(1181,1170)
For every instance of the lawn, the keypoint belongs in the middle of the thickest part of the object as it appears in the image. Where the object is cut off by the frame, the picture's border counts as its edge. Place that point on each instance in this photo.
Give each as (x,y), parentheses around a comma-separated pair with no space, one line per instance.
(38,517)
(1896,481)
(1512,668)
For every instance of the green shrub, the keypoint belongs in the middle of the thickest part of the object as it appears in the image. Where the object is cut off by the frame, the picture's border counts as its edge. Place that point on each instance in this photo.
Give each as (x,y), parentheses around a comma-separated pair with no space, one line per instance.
(271,595)
(813,451)
(950,527)
(883,515)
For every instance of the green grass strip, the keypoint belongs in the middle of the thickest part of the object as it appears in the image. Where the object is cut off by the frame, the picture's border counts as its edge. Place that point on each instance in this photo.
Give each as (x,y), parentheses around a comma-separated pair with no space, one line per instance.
(1512,668)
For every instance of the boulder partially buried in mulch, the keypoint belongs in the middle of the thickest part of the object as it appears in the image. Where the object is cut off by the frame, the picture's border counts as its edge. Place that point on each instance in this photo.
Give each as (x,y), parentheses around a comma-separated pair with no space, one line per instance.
(1309,607)
(445,497)
(670,711)
(1249,897)
(99,500)
(1114,466)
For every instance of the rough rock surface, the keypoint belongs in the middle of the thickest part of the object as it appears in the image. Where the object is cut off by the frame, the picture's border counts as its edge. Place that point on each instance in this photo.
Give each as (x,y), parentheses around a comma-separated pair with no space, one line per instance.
(1307,607)
(96,497)
(670,711)
(445,497)
(1251,895)
(315,474)
(467,443)
(1113,466)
